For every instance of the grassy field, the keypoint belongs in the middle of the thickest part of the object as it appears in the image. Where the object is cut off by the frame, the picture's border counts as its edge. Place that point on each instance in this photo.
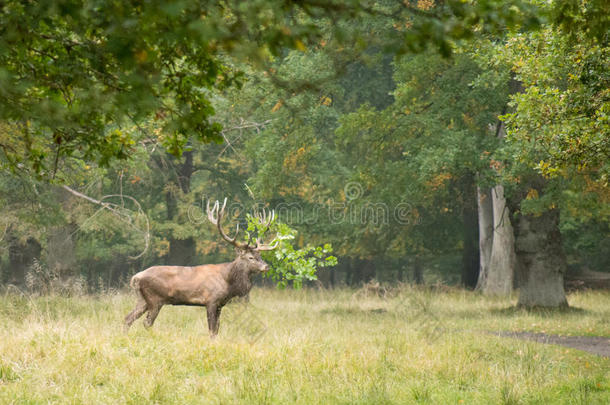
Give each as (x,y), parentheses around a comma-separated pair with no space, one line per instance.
(307,347)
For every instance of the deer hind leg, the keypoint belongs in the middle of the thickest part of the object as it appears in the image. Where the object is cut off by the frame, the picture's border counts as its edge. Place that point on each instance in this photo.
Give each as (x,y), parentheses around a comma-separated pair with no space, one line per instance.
(153,311)
(138,311)
(141,307)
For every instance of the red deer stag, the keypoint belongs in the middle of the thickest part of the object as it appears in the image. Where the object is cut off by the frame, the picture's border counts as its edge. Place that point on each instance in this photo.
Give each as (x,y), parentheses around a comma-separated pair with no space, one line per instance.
(209,285)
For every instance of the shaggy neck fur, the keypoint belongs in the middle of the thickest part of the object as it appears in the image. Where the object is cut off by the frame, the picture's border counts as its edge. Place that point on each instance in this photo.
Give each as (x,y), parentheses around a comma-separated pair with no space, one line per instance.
(239,278)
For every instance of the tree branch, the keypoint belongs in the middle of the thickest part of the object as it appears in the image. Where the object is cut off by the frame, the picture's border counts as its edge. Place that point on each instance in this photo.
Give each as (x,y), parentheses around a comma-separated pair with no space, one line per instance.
(116,210)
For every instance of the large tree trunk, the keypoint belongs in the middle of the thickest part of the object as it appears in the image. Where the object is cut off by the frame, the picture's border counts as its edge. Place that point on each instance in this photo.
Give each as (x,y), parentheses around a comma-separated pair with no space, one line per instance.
(498,272)
(502,261)
(496,242)
(486,228)
(541,261)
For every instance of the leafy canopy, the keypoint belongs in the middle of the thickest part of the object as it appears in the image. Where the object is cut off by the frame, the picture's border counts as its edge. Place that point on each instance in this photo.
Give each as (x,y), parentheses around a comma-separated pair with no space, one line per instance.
(74,73)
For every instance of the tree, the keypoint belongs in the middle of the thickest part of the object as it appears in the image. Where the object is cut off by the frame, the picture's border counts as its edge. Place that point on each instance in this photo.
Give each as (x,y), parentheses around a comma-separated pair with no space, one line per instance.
(557,133)
(496,238)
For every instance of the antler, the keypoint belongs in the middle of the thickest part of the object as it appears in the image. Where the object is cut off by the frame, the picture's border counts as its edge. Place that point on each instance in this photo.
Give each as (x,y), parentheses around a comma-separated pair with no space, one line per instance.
(215,216)
(265,219)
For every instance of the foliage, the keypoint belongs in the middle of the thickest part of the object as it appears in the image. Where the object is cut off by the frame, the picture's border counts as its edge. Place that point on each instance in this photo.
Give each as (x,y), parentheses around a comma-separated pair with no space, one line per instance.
(75,73)
(289,264)
(342,115)
(561,120)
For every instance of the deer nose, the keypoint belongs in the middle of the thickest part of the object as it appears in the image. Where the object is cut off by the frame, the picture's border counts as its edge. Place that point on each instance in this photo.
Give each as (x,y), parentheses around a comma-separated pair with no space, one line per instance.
(265,267)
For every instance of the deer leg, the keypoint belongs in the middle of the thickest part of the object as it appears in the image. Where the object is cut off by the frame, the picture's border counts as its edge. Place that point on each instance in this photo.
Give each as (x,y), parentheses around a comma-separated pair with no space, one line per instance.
(139,310)
(213,320)
(217,320)
(152,315)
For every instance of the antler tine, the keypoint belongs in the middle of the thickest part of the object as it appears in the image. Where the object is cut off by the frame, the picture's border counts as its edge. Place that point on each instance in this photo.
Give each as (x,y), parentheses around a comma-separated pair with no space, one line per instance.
(211,216)
(271,217)
(215,216)
(265,219)
(222,210)
(258,215)
(261,246)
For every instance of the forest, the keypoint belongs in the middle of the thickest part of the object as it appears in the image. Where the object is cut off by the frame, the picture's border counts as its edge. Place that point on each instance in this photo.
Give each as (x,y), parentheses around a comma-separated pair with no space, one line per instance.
(397,148)
(423,143)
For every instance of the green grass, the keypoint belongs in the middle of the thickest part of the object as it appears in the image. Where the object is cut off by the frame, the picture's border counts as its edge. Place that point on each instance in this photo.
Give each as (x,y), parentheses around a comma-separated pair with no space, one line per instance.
(305,347)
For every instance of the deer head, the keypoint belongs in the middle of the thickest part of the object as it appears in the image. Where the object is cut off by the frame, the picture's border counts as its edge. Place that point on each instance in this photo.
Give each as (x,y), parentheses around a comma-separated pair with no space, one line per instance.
(248,255)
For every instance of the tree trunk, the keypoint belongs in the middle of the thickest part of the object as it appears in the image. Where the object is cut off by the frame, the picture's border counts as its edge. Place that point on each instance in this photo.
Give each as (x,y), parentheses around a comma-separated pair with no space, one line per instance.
(486,227)
(348,270)
(496,241)
(541,261)
(369,269)
(470,252)
(499,270)
(502,260)
(418,273)
(401,271)
(356,271)
(181,251)
(21,256)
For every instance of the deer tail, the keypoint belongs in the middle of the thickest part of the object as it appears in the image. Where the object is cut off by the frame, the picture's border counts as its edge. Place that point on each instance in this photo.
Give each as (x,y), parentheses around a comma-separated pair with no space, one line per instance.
(135,282)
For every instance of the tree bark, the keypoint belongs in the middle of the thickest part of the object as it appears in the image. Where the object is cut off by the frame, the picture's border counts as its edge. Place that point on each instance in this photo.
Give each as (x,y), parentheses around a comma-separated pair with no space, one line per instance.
(496,240)
(502,260)
(486,227)
(540,256)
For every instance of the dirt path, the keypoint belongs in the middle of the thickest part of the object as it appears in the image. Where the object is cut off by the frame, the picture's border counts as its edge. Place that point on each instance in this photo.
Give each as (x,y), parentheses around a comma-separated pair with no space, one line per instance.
(592,344)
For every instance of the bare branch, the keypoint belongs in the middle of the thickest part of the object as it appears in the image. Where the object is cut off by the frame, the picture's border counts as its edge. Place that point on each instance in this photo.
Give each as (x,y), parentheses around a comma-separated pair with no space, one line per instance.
(243,125)
(119,212)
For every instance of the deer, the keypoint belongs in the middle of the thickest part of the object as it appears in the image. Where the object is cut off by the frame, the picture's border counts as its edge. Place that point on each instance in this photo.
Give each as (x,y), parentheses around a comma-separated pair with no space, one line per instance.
(208,285)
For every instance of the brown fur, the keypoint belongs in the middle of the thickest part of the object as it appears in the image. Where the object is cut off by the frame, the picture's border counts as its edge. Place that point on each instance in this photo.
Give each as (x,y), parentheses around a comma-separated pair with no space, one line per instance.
(210,285)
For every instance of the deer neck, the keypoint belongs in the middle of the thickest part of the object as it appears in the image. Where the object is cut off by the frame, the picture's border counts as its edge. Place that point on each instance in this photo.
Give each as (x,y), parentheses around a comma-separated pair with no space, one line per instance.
(239,279)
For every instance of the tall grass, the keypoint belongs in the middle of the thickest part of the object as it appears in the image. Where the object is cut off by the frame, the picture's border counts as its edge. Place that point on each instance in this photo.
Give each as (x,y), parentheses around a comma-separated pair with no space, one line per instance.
(308,347)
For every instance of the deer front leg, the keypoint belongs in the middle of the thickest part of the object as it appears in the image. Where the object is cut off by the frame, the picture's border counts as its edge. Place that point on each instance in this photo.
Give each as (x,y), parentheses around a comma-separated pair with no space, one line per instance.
(213,319)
